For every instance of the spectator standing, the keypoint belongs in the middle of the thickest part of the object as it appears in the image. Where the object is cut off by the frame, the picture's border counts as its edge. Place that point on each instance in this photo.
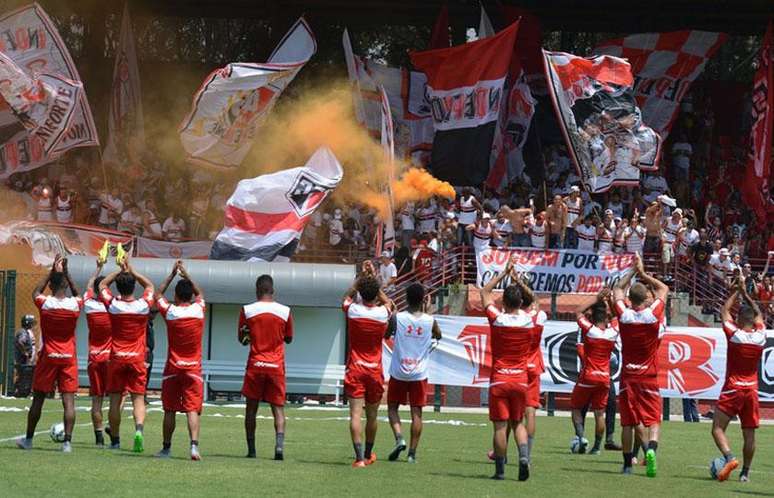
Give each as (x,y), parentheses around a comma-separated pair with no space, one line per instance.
(468,207)
(150,223)
(65,203)
(111,208)
(574,209)
(634,235)
(587,234)
(387,271)
(25,354)
(504,231)
(173,228)
(407,224)
(335,229)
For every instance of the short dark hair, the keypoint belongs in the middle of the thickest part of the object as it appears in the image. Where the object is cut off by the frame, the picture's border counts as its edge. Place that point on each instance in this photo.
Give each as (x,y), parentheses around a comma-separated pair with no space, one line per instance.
(368,287)
(184,290)
(746,315)
(125,283)
(526,300)
(638,293)
(415,294)
(599,313)
(512,297)
(264,286)
(57,281)
(97,281)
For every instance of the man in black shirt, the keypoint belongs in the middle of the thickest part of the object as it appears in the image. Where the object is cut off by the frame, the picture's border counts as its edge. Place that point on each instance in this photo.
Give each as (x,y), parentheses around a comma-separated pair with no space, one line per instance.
(702,250)
(24,357)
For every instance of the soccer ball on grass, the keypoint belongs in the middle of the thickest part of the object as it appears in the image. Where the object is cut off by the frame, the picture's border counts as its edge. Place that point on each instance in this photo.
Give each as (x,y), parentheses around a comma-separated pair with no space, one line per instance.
(716,466)
(576,443)
(57,432)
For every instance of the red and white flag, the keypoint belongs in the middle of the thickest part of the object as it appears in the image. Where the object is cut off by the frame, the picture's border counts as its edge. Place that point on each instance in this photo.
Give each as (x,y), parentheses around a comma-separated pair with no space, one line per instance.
(465,89)
(605,135)
(757,187)
(32,42)
(265,216)
(664,66)
(385,232)
(235,100)
(125,123)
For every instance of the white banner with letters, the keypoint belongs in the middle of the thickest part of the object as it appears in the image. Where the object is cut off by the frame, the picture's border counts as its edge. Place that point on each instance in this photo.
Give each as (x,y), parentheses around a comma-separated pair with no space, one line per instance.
(561,270)
(692,360)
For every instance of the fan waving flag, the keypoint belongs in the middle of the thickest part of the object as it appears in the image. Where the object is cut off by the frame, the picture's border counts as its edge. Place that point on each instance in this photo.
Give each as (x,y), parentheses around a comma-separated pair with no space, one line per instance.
(465,89)
(600,120)
(664,66)
(266,216)
(234,101)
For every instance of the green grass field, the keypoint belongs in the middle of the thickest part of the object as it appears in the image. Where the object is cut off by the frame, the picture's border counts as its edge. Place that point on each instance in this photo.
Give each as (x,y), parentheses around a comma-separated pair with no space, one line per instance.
(451,460)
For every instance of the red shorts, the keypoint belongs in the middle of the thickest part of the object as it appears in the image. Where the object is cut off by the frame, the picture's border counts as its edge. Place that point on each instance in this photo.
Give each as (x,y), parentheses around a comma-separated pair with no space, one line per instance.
(364,385)
(126,377)
(594,394)
(639,403)
(741,402)
(98,375)
(264,387)
(182,391)
(48,376)
(398,391)
(533,390)
(507,401)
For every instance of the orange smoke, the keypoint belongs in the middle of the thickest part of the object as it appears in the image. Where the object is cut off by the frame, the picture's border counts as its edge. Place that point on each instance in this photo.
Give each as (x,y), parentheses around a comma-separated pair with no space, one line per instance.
(417,184)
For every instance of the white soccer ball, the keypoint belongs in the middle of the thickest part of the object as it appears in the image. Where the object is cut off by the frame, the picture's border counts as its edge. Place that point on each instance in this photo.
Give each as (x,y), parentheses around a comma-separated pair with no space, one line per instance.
(716,466)
(57,432)
(575,444)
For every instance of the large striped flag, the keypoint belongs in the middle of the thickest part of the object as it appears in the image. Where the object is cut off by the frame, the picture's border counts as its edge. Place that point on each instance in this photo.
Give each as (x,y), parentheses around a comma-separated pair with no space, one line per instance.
(664,65)
(266,216)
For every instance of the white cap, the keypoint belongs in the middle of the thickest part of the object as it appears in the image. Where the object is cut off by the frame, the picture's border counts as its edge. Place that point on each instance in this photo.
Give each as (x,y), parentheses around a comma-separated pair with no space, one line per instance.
(678,211)
(575,188)
(608,211)
(723,251)
(450,215)
(665,199)
(385,254)
(486,216)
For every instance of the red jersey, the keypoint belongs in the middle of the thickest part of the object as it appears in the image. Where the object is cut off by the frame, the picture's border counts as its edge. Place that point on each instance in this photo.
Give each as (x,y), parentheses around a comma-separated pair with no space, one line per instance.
(535,365)
(366,326)
(744,356)
(58,318)
(423,263)
(598,344)
(129,320)
(511,338)
(100,331)
(641,332)
(269,323)
(185,326)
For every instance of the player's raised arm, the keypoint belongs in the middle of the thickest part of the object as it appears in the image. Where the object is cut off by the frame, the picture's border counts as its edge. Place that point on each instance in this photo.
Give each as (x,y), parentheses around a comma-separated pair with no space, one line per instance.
(93,278)
(181,269)
(660,289)
(165,284)
(436,331)
(752,304)
(141,279)
(486,290)
(725,310)
(41,285)
(69,278)
(526,291)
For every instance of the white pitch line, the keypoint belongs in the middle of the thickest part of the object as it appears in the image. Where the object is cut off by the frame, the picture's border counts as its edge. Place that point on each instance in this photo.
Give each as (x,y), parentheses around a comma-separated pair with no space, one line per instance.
(13,438)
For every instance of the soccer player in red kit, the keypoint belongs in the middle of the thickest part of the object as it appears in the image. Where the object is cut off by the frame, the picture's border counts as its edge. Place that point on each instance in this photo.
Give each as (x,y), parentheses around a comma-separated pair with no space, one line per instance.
(57,363)
(535,365)
(100,337)
(182,389)
(746,342)
(126,369)
(598,338)
(511,335)
(266,326)
(641,327)
(363,382)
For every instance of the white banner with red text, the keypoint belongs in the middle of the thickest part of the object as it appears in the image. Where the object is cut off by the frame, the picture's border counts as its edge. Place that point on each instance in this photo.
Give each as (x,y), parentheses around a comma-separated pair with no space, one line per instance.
(194,249)
(692,360)
(561,270)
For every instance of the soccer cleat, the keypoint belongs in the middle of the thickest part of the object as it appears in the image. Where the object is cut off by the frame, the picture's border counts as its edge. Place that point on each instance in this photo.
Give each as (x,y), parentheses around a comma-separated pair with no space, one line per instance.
(395,453)
(744,478)
(138,443)
(358,464)
(612,445)
(594,451)
(250,454)
(195,455)
(23,443)
(412,459)
(627,471)
(279,455)
(523,471)
(498,477)
(120,254)
(372,460)
(103,253)
(163,453)
(67,447)
(114,446)
(650,463)
(729,467)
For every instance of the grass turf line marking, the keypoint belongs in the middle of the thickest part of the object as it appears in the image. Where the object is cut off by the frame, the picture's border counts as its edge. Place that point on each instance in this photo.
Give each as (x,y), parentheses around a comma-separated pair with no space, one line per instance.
(14,438)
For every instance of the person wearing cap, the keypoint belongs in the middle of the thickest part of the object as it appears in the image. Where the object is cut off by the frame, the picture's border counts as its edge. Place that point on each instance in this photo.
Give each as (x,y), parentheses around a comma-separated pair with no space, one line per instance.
(24,355)
(335,229)
(609,220)
(387,272)
(537,231)
(482,231)
(672,227)
(686,239)
(574,205)
(605,237)
(721,267)
(503,229)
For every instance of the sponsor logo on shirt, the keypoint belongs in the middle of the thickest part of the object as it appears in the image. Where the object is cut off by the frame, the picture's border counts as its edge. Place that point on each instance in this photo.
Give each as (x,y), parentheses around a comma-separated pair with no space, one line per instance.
(366,364)
(186,363)
(263,364)
(126,354)
(59,355)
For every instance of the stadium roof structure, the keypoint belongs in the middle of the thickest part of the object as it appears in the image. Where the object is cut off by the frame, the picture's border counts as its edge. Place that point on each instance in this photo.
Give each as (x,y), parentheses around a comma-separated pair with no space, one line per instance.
(233,282)
(730,16)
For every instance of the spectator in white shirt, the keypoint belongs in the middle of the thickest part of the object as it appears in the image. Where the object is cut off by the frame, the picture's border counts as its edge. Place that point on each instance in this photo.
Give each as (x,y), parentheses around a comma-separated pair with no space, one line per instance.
(335,229)
(407,229)
(387,270)
(111,208)
(173,229)
(615,205)
(720,264)
(587,234)
(131,220)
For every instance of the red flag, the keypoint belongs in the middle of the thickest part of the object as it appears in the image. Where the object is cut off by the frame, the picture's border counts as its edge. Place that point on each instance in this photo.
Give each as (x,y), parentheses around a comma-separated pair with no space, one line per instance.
(439,38)
(757,187)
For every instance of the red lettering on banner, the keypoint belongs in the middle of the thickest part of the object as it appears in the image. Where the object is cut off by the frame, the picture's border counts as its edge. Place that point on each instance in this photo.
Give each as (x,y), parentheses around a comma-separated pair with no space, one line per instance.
(22,39)
(550,258)
(617,262)
(482,100)
(685,363)
(476,340)
(591,284)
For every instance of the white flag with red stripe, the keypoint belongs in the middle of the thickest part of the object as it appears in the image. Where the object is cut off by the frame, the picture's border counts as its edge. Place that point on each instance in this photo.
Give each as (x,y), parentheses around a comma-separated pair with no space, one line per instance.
(664,66)
(266,216)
